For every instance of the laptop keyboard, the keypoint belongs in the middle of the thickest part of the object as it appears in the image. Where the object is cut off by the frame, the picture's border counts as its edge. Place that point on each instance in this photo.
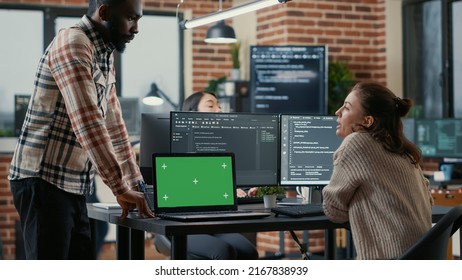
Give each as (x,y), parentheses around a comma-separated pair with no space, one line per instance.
(207,213)
(304,210)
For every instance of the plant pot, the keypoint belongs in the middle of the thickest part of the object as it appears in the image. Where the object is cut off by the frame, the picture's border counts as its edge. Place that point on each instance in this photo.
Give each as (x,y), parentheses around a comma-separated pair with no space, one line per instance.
(235,74)
(269,200)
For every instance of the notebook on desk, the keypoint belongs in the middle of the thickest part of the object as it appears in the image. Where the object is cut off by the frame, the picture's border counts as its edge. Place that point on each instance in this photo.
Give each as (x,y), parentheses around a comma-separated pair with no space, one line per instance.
(197,187)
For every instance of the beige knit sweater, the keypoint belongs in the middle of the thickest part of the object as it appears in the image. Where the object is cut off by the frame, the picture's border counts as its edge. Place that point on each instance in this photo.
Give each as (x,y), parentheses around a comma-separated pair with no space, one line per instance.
(383,195)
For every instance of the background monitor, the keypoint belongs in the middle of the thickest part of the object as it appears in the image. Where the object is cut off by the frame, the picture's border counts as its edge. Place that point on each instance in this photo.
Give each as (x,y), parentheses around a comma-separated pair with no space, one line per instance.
(288,79)
(131,114)
(21,103)
(253,138)
(409,128)
(308,143)
(155,138)
(439,137)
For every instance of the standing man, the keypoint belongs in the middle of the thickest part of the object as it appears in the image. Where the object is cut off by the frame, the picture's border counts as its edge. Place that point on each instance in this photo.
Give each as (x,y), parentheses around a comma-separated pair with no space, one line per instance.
(73,129)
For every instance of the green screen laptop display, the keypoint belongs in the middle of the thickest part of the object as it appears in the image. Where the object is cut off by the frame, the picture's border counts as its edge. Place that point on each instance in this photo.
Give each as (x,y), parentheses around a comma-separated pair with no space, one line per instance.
(193,181)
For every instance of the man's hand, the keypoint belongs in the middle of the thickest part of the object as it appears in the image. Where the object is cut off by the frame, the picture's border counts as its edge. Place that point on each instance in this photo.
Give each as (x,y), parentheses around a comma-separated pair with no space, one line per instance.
(131,200)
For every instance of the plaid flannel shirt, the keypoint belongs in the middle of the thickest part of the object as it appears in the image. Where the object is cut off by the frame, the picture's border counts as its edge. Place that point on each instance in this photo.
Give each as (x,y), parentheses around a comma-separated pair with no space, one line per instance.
(73,126)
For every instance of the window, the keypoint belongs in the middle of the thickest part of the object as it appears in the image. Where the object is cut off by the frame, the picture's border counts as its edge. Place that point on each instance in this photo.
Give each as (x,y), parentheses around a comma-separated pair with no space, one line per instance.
(19,58)
(146,60)
(432,56)
(456,62)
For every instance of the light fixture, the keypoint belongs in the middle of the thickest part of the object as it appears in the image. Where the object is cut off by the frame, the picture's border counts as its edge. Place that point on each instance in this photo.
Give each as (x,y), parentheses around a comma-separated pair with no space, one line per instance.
(229,13)
(156,97)
(220,33)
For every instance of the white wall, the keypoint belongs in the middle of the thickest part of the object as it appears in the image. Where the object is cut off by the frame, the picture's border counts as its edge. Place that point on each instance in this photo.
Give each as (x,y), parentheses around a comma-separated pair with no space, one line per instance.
(394,45)
(245,27)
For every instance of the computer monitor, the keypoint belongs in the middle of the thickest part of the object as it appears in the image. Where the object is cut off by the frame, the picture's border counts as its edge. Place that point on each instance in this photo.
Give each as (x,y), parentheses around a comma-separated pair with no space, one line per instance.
(439,137)
(131,114)
(289,79)
(253,138)
(155,138)
(21,102)
(308,143)
(409,128)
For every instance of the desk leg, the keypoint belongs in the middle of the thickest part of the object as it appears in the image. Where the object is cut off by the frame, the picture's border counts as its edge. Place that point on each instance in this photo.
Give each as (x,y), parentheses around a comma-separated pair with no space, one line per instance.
(93,237)
(122,243)
(179,247)
(350,246)
(136,244)
(329,244)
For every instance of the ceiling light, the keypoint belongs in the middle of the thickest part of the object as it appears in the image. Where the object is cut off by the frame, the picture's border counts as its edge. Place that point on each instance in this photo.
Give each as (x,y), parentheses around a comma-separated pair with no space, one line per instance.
(229,13)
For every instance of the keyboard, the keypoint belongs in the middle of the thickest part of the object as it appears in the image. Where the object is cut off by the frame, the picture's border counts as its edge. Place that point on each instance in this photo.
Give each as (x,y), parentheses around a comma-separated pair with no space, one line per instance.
(213,216)
(255,199)
(305,210)
(249,200)
(205,213)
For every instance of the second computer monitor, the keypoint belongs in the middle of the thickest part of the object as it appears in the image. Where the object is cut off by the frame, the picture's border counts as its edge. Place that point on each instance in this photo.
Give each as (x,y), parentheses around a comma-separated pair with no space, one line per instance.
(253,138)
(439,138)
(155,138)
(308,143)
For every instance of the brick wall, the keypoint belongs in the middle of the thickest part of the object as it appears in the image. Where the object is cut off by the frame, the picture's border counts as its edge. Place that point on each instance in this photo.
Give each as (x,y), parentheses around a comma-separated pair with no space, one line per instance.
(353,30)
(8,214)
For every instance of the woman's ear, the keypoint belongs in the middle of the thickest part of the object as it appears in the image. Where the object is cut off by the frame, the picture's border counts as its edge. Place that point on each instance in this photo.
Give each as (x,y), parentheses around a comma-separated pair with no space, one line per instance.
(368,121)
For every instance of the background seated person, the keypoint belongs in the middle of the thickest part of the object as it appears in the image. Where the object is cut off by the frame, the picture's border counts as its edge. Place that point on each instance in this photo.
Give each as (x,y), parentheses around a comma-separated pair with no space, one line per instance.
(217,246)
(203,101)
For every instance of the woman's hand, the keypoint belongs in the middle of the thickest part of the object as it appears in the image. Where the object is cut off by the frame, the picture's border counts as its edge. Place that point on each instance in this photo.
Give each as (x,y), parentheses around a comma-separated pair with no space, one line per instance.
(241,193)
(252,192)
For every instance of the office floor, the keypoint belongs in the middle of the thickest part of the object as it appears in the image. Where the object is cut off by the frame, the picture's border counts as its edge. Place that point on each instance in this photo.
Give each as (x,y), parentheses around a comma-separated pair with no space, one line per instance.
(109,251)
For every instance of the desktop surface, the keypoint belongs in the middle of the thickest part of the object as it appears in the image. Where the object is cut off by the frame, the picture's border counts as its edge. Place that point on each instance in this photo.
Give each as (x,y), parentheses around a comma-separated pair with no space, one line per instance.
(271,223)
(131,229)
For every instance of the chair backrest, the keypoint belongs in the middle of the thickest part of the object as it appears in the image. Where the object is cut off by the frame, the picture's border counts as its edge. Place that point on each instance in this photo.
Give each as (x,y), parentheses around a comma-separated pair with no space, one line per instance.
(434,244)
(163,244)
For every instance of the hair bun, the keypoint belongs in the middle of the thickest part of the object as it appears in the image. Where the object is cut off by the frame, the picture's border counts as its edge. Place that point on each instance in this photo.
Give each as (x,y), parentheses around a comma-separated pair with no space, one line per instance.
(402,105)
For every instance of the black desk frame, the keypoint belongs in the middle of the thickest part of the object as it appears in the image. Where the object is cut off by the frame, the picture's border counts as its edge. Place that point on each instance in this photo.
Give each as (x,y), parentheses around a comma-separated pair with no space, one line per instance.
(131,231)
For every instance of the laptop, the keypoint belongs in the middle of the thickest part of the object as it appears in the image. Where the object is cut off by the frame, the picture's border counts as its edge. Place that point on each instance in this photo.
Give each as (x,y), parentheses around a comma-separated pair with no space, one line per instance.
(193,187)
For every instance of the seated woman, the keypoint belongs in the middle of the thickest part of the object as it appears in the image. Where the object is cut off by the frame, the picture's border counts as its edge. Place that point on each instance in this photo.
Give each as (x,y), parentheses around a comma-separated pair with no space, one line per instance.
(377,184)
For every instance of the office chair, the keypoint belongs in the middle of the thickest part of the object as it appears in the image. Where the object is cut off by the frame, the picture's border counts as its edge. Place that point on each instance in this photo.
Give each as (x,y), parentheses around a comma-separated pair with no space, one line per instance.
(434,244)
(163,245)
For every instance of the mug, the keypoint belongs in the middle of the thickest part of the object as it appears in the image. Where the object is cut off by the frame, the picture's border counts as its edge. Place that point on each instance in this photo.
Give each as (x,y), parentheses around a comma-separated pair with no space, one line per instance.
(304,193)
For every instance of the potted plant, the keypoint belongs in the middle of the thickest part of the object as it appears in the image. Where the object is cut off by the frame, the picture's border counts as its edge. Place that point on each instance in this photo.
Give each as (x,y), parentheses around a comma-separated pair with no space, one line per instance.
(213,85)
(269,194)
(234,51)
(340,82)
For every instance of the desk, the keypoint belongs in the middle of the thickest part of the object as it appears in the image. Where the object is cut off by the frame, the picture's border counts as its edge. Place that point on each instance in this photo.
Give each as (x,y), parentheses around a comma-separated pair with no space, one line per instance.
(130,231)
